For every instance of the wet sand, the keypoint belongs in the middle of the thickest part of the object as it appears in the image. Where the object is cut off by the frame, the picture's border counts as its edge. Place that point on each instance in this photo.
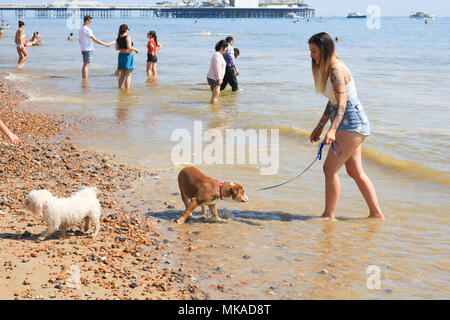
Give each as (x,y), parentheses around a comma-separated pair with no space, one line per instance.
(127,258)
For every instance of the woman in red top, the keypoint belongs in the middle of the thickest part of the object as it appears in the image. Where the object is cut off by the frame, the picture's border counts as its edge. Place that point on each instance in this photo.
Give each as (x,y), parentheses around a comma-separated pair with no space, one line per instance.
(152,47)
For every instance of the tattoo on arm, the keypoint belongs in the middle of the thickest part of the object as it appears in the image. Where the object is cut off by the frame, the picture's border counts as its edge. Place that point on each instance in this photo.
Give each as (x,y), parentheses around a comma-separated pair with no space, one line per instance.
(325,116)
(327,109)
(337,81)
(339,116)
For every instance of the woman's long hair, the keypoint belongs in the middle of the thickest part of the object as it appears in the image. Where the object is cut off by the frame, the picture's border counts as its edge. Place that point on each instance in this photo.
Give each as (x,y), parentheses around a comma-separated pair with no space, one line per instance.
(154,37)
(122,29)
(321,72)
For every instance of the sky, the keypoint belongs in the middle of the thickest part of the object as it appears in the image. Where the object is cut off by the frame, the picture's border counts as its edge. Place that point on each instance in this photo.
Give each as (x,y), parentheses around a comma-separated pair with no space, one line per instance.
(323,7)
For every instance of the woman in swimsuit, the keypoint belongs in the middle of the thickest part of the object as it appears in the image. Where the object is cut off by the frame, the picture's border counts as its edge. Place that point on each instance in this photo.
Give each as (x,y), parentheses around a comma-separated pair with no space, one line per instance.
(21,44)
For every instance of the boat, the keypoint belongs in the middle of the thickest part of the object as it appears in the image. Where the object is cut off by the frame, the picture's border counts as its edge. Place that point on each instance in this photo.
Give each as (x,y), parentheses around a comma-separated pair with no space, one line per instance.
(357,14)
(421,15)
(292,15)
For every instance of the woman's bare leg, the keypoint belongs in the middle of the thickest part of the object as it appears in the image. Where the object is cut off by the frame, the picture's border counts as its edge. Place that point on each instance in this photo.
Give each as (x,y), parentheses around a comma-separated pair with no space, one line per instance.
(122,78)
(129,75)
(215,95)
(23,55)
(356,171)
(349,142)
(148,68)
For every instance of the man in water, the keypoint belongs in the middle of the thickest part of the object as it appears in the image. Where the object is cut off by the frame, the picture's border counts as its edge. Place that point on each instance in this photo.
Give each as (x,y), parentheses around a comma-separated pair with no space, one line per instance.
(231,70)
(86,38)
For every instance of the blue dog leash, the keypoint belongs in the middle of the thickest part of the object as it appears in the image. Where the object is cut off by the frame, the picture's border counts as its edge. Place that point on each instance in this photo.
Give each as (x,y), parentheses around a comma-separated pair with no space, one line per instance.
(319,156)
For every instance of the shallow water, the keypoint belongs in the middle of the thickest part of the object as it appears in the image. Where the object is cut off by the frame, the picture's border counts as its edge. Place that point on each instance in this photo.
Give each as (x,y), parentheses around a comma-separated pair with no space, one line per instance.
(402,83)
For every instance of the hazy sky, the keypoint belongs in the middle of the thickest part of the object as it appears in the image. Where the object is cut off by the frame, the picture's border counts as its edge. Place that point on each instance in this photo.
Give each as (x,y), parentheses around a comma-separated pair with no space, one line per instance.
(324,7)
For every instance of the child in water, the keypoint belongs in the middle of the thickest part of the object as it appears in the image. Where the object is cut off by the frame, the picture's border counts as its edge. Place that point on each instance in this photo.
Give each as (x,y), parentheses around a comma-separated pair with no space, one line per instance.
(236,52)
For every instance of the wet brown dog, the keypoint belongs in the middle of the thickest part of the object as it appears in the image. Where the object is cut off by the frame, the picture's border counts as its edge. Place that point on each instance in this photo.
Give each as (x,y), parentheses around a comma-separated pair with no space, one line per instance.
(199,190)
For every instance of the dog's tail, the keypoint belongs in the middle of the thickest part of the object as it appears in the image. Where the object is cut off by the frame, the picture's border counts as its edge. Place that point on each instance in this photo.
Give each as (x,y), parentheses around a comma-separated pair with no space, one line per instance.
(87,192)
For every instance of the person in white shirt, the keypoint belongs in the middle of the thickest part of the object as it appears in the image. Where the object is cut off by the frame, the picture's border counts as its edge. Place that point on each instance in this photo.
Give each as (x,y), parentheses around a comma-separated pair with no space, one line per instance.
(217,70)
(87,39)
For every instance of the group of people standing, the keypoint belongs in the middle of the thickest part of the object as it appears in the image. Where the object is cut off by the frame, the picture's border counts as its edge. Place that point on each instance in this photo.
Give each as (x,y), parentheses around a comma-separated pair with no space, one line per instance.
(123,44)
(223,69)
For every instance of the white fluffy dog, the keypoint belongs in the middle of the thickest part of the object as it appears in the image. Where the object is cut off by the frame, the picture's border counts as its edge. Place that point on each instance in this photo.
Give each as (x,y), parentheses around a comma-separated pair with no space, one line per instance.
(62,213)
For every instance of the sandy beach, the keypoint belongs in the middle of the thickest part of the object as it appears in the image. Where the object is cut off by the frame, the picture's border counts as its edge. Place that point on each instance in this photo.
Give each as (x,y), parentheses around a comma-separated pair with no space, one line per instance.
(122,262)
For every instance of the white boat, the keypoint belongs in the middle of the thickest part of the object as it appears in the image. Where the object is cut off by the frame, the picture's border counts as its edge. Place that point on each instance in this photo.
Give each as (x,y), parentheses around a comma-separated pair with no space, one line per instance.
(292,15)
(421,15)
(357,14)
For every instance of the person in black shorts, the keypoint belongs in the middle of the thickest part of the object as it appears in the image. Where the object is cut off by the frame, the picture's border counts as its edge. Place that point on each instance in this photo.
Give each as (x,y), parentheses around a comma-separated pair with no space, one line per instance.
(231,71)
(152,47)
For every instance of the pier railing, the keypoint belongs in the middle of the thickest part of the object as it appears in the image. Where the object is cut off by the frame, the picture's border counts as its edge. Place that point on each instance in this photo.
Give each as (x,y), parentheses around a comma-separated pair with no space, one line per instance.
(108,12)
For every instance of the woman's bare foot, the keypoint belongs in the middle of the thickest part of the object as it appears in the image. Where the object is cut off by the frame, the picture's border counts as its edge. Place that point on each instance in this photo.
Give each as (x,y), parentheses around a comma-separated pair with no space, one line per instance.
(327,216)
(377,215)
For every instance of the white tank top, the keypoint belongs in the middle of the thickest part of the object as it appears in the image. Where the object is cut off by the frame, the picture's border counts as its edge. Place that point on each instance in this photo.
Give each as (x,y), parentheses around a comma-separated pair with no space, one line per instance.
(350,89)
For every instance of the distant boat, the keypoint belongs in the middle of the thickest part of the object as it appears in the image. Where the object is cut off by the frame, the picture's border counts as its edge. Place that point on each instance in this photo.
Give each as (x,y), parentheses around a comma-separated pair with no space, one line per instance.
(421,15)
(355,15)
(292,15)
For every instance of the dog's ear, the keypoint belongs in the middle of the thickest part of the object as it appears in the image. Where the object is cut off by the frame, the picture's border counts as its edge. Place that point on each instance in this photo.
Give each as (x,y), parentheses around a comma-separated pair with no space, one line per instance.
(44,206)
(234,189)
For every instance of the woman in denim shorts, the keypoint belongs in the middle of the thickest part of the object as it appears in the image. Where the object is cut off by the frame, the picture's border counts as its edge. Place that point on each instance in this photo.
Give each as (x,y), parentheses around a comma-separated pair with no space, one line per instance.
(349,124)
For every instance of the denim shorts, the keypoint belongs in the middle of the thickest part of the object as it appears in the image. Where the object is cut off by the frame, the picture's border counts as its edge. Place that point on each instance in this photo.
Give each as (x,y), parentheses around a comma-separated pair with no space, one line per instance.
(125,61)
(355,118)
(87,56)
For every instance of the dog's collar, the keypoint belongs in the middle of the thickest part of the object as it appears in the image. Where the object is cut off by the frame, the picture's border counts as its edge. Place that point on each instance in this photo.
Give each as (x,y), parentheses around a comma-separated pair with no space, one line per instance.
(221,189)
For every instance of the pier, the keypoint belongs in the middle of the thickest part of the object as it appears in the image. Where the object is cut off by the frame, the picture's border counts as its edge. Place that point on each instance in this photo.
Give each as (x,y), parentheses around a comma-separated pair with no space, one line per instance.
(109,12)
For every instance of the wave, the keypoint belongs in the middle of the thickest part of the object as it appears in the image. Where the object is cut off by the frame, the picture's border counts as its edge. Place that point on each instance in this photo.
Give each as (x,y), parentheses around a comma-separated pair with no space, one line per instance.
(413,169)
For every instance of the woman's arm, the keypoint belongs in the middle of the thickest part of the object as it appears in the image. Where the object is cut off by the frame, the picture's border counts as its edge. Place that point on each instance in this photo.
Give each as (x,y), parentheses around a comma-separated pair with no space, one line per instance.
(129,46)
(325,116)
(217,68)
(338,84)
(8,134)
(317,132)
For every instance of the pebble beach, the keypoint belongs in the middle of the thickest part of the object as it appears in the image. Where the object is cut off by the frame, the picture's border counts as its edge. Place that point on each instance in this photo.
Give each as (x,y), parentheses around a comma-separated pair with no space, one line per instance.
(122,262)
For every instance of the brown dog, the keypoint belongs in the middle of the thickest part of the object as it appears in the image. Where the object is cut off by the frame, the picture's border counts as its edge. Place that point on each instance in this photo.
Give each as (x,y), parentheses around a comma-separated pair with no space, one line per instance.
(199,190)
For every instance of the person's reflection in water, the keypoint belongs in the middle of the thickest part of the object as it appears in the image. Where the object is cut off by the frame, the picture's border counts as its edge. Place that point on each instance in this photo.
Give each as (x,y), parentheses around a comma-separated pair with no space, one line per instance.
(223,115)
(152,82)
(124,103)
